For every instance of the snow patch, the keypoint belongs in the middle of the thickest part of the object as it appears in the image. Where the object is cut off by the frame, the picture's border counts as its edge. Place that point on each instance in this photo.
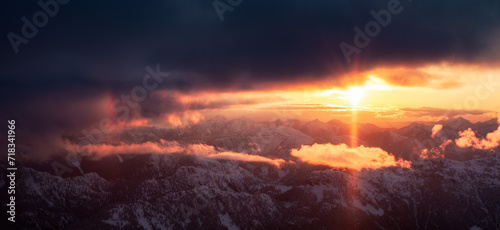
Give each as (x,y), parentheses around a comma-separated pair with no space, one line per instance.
(226,221)
(368,208)
(139,213)
(283,188)
(318,190)
(116,220)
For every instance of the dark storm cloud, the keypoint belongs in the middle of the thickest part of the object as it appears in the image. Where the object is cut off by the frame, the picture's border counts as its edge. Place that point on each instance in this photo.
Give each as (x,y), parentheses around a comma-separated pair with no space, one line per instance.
(164,102)
(110,42)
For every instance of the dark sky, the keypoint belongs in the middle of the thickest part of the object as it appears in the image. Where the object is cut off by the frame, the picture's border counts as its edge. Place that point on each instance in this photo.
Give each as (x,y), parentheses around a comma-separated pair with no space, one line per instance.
(94,47)
(108,43)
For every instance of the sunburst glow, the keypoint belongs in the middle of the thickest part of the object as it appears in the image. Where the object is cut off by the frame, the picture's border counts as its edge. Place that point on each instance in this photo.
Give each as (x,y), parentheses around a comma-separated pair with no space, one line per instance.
(355,95)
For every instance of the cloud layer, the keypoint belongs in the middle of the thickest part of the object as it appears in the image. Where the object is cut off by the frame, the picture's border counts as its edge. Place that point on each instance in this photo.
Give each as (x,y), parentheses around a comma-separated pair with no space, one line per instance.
(169,147)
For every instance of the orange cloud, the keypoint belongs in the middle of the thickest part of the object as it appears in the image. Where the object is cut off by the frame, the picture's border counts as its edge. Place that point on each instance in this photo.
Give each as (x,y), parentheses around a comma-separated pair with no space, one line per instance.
(100,150)
(343,156)
(209,151)
(168,147)
(436,129)
(426,76)
(169,120)
(246,157)
(444,144)
(184,119)
(431,153)
(468,139)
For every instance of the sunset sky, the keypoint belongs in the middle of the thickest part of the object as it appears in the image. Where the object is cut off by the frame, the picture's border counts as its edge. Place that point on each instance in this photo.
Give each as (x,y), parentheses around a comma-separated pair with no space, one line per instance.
(275,114)
(264,61)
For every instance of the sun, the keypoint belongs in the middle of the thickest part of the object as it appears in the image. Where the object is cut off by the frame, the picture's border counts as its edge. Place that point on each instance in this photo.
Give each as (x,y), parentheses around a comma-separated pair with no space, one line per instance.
(355,94)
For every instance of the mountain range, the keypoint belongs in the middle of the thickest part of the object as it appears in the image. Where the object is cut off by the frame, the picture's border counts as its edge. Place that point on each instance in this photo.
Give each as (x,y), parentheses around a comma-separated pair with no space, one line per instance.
(458,190)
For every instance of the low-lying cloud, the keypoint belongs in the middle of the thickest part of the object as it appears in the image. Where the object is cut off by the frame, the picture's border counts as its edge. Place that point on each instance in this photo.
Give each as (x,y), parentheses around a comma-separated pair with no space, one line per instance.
(208,151)
(468,138)
(342,156)
(169,147)
(436,129)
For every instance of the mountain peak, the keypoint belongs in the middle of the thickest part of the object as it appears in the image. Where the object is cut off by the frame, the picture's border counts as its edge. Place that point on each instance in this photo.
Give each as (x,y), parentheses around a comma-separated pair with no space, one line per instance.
(456,123)
(336,122)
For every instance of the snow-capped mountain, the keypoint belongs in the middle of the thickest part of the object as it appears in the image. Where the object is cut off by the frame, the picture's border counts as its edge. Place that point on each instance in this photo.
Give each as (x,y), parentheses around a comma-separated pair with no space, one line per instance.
(183,191)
